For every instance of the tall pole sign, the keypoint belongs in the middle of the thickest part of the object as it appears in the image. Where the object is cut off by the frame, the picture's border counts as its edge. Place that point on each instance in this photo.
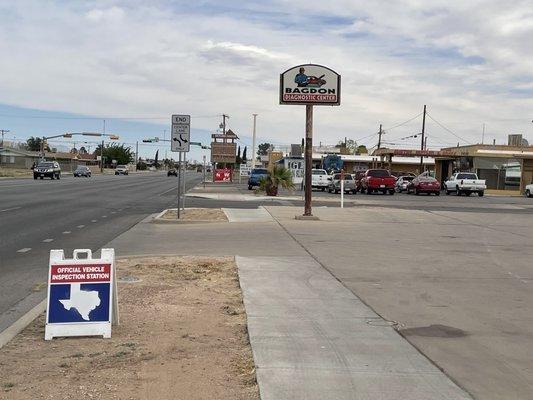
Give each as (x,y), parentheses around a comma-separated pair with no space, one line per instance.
(309,85)
(180,141)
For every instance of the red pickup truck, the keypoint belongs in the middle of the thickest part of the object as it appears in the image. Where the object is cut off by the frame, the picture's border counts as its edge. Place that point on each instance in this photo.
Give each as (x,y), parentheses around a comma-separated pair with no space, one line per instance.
(378,180)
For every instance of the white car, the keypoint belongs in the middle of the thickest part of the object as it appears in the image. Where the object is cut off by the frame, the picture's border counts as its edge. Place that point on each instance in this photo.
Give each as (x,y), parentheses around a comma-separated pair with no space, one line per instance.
(465,182)
(403,183)
(320,179)
(529,190)
(121,170)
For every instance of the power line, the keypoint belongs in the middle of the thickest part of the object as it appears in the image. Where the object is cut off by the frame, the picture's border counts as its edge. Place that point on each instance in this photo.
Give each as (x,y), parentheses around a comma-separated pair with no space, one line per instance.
(448,130)
(99,118)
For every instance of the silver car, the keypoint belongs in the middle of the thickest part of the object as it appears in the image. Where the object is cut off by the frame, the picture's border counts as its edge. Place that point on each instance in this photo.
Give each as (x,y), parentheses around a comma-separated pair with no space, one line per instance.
(335,184)
(403,183)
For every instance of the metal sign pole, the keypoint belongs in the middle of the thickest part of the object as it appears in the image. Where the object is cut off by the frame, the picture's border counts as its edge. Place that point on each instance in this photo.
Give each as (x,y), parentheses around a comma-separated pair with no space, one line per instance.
(184,179)
(179,181)
(308,158)
(342,188)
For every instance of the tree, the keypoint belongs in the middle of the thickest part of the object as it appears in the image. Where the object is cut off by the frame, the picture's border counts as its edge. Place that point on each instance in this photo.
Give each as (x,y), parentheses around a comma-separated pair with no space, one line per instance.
(115,151)
(347,147)
(83,150)
(262,149)
(361,149)
(277,176)
(244,155)
(238,159)
(156,164)
(34,144)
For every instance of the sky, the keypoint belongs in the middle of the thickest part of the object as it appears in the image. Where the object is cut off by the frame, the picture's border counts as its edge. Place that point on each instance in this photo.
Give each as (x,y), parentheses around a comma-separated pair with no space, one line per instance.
(134,63)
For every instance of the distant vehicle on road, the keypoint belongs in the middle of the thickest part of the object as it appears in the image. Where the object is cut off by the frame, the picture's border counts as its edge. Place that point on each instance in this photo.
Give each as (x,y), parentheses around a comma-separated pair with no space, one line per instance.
(172,171)
(255,177)
(349,184)
(47,169)
(403,182)
(121,170)
(82,170)
(320,179)
(529,190)
(465,182)
(424,184)
(378,180)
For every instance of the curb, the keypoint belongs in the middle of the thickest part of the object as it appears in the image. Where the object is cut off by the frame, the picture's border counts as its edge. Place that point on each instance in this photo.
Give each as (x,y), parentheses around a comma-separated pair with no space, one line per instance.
(12,331)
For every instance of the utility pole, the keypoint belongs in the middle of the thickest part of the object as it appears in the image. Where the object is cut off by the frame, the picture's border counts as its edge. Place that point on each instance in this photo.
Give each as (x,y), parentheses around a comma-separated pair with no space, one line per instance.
(102,157)
(253,141)
(380,133)
(483,134)
(136,154)
(3,131)
(422,142)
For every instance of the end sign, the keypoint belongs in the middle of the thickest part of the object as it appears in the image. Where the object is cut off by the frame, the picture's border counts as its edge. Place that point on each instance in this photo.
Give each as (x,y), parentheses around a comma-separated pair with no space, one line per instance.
(181,133)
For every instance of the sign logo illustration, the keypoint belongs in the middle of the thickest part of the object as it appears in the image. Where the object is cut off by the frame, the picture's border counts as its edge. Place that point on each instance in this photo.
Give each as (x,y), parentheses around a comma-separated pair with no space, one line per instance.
(302,80)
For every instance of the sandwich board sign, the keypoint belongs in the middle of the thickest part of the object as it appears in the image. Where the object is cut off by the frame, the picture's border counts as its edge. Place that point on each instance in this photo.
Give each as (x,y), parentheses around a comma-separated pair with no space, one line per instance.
(82,294)
(181,133)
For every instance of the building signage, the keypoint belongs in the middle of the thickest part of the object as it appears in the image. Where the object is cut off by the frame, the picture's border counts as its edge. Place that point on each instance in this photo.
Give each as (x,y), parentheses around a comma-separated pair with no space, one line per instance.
(310,84)
(222,175)
(245,170)
(180,139)
(82,295)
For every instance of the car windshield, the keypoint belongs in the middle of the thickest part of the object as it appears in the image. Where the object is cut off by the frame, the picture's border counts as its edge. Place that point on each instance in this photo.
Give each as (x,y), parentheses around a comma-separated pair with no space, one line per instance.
(319,172)
(466,176)
(46,165)
(121,166)
(348,177)
(259,171)
(81,168)
(408,178)
(380,173)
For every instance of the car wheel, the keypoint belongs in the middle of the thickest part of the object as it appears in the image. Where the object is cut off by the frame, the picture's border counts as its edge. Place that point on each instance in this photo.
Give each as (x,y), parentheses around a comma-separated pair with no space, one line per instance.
(323,189)
(368,191)
(528,193)
(52,176)
(447,192)
(58,176)
(437,193)
(354,192)
(337,191)
(481,194)
(391,192)
(417,192)
(457,191)
(42,177)
(35,177)
(250,187)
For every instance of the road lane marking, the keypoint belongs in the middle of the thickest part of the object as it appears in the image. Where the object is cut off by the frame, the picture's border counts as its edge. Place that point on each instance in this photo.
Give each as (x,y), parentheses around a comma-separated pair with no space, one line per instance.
(66,232)
(80,226)
(24,250)
(94,220)
(113,212)
(48,240)
(9,209)
(104,216)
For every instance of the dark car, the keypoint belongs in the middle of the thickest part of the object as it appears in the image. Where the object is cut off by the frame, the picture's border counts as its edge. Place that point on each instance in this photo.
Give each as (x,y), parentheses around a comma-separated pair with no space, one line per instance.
(82,170)
(47,169)
(424,184)
(172,171)
(255,177)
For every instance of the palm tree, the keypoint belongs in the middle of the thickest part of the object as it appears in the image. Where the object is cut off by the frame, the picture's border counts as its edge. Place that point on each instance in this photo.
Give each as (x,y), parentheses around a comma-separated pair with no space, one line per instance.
(277,176)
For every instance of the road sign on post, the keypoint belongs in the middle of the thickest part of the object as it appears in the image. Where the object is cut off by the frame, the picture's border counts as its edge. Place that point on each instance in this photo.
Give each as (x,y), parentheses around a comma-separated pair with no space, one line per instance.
(309,85)
(181,133)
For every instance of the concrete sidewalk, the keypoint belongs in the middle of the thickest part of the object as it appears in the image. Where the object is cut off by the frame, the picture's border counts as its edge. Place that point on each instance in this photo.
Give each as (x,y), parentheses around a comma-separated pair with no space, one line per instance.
(311,337)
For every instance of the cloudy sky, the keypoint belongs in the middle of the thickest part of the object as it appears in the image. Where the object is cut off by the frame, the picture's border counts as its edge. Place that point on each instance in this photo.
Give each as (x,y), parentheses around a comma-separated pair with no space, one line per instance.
(469,61)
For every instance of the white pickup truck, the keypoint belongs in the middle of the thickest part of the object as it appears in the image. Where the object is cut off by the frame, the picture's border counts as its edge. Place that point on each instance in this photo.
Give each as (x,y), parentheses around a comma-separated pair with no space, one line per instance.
(465,182)
(320,179)
(529,190)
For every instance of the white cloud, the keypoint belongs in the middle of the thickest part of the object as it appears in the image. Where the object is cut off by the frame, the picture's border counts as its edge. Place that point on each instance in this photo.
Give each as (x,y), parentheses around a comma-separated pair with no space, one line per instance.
(469,61)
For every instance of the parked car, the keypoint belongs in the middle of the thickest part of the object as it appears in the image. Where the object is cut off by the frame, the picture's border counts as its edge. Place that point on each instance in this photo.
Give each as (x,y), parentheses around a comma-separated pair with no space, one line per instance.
(172,171)
(403,182)
(378,180)
(529,190)
(335,184)
(320,179)
(424,184)
(82,170)
(47,169)
(121,170)
(255,177)
(465,182)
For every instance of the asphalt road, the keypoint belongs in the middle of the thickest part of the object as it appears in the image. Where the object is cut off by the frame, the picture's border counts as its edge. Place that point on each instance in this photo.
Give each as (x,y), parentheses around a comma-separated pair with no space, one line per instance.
(39,215)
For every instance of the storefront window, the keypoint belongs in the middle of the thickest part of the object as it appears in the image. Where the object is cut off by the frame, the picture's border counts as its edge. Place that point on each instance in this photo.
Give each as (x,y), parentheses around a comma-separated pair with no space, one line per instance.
(500,173)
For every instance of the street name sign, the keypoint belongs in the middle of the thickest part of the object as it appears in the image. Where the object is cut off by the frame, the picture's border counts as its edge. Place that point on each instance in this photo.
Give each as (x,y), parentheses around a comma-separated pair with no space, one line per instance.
(82,294)
(180,140)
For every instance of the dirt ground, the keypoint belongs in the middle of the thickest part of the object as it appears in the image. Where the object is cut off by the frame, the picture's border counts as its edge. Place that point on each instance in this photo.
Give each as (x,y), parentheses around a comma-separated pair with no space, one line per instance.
(182,336)
(15,173)
(197,214)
